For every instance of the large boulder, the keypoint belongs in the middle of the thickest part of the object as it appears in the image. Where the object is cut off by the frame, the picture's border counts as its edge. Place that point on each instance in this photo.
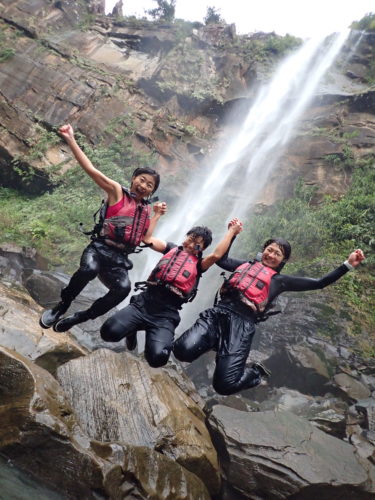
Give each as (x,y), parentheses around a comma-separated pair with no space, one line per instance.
(15,260)
(38,431)
(278,455)
(20,331)
(40,435)
(118,397)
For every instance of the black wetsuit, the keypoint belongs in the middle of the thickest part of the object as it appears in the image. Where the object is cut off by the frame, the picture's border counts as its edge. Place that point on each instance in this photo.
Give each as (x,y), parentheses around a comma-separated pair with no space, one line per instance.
(229,328)
(111,266)
(156,310)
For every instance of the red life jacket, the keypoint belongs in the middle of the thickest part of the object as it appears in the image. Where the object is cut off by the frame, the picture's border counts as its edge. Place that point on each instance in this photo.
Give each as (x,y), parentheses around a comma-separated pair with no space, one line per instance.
(178,271)
(129,224)
(252,280)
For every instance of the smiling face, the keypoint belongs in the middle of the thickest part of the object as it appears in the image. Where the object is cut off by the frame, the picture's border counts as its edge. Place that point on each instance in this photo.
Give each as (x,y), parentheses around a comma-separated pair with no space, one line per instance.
(272,256)
(191,243)
(142,186)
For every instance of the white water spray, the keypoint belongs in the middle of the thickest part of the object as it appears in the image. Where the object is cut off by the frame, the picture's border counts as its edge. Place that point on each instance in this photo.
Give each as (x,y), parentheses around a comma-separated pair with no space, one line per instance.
(262,138)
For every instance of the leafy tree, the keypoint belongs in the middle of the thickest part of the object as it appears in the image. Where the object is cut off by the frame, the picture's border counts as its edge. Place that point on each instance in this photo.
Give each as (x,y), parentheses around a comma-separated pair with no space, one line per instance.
(367,23)
(164,11)
(213,16)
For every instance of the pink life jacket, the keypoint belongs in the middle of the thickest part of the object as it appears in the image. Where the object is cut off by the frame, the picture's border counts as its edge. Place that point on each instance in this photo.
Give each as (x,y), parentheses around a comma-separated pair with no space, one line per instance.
(252,280)
(178,271)
(128,222)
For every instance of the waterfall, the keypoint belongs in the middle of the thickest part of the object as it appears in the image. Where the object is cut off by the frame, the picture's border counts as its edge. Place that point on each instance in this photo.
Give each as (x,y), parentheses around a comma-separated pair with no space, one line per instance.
(259,141)
(249,156)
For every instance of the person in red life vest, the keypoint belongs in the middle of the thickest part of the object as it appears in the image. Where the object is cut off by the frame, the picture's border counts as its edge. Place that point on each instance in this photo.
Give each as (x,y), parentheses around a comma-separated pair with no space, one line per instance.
(125,222)
(172,282)
(245,297)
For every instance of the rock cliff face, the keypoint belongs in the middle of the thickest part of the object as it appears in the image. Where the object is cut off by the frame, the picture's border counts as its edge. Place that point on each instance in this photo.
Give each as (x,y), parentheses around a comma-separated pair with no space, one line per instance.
(52,71)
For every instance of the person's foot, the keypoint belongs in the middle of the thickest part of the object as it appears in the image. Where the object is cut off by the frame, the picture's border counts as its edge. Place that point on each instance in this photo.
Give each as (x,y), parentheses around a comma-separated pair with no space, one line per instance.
(51,316)
(265,372)
(131,341)
(67,323)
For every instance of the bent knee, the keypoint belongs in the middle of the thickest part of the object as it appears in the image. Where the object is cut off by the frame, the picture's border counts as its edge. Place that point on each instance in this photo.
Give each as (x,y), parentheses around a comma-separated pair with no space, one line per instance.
(156,359)
(112,330)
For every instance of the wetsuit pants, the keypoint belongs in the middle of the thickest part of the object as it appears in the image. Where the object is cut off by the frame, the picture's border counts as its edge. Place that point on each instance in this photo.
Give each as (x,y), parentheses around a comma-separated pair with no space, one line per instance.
(156,320)
(230,334)
(111,266)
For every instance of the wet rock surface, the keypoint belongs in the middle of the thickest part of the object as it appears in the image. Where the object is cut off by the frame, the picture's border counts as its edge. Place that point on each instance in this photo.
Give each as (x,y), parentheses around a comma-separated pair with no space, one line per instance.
(20,331)
(279,455)
(40,435)
(117,397)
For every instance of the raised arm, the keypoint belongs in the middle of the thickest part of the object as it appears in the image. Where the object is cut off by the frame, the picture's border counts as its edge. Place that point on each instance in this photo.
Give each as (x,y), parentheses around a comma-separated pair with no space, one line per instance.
(229,263)
(303,284)
(111,187)
(156,244)
(234,228)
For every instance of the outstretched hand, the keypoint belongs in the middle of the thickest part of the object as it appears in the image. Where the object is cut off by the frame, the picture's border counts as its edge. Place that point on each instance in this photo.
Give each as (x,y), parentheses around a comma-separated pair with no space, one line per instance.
(66,131)
(160,208)
(235,225)
(356,257)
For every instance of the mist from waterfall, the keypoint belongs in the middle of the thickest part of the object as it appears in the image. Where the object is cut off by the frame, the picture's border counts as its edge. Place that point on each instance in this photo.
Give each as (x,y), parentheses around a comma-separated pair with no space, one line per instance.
(248,157)
(259,141)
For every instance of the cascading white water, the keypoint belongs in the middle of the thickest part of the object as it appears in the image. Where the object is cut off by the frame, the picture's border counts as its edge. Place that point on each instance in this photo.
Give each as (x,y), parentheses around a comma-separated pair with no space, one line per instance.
(263,137)
(250,155)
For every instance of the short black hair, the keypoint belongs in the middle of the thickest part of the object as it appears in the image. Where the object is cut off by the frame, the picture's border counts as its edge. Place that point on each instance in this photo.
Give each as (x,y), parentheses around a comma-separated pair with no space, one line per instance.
(283,244)
(149,171)
(203,232)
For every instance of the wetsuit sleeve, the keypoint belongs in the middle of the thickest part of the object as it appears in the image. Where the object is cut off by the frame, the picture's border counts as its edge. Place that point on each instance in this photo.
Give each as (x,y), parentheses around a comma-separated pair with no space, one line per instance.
(228,263)
(303,284)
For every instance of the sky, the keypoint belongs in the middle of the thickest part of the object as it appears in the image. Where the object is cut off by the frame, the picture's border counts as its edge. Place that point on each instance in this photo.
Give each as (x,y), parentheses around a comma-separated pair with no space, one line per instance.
(300,18)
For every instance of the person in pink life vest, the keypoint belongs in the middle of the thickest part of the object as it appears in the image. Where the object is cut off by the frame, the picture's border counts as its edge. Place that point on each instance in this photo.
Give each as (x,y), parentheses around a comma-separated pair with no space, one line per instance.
(245,298)
(125,222)
(172,282)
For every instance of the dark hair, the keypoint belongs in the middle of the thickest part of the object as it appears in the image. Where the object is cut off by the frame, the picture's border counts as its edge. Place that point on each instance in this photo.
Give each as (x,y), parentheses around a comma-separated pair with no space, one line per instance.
(149,171)
(283,244)
(202,231)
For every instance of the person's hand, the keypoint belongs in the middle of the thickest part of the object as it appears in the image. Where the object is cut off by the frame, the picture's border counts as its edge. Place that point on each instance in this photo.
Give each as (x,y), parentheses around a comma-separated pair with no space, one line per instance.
(67,132)
(356,257)
(235,225)
(160,208)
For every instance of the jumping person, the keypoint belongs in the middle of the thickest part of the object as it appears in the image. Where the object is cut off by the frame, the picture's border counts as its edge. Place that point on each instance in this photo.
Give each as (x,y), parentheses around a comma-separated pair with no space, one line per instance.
(125,224)
(172,282)
(248,293)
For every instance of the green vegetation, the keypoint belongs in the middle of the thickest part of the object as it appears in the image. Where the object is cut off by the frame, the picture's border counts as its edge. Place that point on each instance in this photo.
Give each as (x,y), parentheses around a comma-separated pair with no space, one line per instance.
(213,16)
(367,23)
(370,73)
(164,11)
(323,235)
(6,50)
(342,160)
(261,48)
(330,228)
(50,222)
(6,53)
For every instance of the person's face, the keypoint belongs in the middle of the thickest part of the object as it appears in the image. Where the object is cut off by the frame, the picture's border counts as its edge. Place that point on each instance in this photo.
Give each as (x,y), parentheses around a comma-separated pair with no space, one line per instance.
(142,186)
(191,243)
(272,256)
